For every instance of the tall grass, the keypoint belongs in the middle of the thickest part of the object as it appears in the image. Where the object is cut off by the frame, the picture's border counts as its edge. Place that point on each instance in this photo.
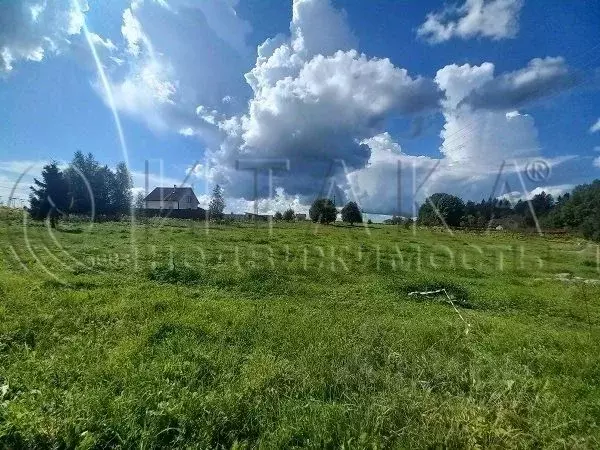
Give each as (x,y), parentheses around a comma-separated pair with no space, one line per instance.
(241,337)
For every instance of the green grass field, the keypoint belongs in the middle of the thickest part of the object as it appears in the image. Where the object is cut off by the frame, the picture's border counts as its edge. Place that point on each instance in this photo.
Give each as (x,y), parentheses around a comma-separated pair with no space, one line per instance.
(242,336)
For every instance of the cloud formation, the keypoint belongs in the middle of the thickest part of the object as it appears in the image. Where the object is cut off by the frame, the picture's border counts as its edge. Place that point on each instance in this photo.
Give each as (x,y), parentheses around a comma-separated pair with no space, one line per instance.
(554,191)
(484,153)
(13,192)
(31,29)
(595,127)
(178,55)
(325,115)
(478,137)
(313,101)
(540,78)
(315,98)
(395,183)
(279,201)
(494,19)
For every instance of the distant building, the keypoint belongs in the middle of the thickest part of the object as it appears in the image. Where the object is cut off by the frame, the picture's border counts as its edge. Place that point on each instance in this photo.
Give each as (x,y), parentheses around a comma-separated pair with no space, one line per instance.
(234,216)
(171,198)
(300,217)
(257,217)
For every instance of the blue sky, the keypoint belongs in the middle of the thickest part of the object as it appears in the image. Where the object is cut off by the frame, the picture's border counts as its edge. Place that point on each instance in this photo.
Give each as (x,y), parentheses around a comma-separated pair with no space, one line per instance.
(456,89)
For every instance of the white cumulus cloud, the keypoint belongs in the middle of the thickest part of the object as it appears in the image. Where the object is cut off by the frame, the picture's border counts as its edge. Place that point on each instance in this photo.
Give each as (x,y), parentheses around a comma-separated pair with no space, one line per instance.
(554,191)
(495,19)
(322,108)
(178,55)
(485,138)
(31,29)
(484,153)
(315,98)
(540,78)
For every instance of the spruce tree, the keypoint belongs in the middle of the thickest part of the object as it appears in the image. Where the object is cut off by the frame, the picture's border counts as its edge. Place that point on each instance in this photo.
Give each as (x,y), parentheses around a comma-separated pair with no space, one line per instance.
(217,204)
(49,197)
(121,196)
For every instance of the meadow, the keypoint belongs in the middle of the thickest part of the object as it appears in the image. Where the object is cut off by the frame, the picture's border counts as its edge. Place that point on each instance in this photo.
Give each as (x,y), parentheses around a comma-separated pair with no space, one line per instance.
(175,333)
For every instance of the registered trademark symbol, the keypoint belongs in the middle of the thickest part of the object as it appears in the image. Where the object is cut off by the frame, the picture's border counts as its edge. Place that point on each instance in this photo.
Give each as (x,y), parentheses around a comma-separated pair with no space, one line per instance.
(538,170)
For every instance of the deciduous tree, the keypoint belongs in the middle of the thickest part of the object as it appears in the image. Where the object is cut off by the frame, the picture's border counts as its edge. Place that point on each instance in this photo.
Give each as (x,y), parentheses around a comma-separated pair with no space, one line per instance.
(351,213)
(289,215)
(440,208)
(323,210)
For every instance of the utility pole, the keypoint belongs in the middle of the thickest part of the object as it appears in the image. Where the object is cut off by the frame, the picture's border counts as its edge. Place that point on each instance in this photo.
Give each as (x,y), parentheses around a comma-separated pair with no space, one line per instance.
(146,177)
(255,194)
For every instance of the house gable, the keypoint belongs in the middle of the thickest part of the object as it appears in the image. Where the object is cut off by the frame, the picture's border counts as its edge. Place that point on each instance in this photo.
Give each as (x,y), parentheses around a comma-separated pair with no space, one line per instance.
(171,198)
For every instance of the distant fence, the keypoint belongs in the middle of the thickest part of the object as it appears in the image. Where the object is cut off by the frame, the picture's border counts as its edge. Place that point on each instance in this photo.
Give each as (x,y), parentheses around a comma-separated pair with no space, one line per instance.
(199,213)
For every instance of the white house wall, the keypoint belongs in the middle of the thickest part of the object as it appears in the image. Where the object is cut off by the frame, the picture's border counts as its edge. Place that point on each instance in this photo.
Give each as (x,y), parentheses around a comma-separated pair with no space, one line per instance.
(157,204)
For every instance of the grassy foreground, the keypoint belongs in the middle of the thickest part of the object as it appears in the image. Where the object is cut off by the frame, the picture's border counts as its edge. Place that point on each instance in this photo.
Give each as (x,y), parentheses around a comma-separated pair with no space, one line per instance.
(241,336)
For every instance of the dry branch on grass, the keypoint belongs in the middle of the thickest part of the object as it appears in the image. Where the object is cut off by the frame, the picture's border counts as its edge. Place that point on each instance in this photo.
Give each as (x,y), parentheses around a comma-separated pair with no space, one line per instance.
(449,300)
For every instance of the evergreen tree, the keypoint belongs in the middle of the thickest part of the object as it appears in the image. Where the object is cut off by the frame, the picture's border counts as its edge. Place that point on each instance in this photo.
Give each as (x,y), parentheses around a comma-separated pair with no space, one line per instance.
(103,183)
(217,203)
(49,197)
(83,178)
(95,189)
(121,196)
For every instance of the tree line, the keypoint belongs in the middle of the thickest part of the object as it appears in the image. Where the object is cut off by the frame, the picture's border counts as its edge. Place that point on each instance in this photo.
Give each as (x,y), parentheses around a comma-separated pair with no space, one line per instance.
(85,187)
(577,211)
(289,215)
(323,211)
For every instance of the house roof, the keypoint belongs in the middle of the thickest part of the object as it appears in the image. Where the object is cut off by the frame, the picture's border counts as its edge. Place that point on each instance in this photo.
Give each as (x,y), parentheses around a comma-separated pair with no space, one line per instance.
(166,194)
